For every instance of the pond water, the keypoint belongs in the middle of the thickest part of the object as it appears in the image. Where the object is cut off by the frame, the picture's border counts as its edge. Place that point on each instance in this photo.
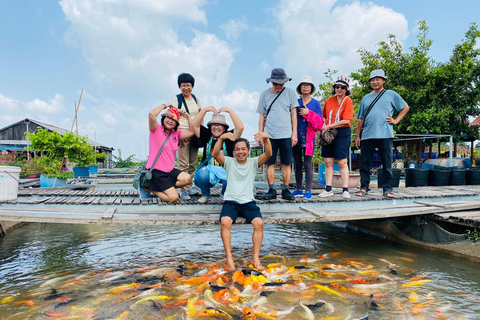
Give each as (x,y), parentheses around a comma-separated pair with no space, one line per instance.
(316,271)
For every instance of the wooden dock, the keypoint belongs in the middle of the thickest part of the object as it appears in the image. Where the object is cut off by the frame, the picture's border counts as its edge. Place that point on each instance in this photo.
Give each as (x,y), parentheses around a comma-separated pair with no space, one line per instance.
(86,206)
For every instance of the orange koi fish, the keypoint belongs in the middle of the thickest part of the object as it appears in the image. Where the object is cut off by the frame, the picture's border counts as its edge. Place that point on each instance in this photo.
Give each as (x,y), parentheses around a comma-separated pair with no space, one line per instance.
(345,289)
(29,303)
(238,277)
(334,266)
(248,314)
(218,296)
(420,277)
(124,287)
(211,312)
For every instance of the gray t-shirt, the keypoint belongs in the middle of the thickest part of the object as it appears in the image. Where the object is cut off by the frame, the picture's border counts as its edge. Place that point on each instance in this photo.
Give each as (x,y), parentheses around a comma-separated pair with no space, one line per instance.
(278,123)
(375,126)
(240,179)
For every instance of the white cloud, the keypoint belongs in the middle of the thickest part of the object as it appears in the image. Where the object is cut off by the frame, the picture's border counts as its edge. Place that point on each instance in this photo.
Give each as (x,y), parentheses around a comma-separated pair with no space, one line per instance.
(234,27)
(133,45)
(8,104)
(54,106)
(317,35)
(244,104)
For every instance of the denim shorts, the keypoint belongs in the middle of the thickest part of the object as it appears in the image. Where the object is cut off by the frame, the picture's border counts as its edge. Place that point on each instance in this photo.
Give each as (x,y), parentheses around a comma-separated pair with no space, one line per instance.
(234,209)
(340,146)
(286,154)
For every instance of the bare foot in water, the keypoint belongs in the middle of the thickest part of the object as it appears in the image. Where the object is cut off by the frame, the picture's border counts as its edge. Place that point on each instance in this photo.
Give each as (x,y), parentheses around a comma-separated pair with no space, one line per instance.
(230,266)
(257,265)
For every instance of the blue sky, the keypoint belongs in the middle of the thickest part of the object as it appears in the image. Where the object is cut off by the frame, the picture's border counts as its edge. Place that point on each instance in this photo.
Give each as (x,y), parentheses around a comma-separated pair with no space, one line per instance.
(126,54)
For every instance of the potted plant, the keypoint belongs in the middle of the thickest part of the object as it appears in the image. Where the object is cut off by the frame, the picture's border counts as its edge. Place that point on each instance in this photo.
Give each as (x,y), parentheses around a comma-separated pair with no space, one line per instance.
(353,179)
(84,156)
(52,147)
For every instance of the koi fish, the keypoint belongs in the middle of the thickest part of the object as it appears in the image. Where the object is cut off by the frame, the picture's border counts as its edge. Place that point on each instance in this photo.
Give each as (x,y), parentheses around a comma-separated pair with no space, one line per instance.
(190,307)
(281,314)
(417,308)
(345,289)
(413,297)
(211,312)
(29,303)
(406,259)
(248,314)
(328,290)
(420,277)
(373,304)
(415,283)
(307,313)
(123,288)
(8,299)
(321,304)
(153,298)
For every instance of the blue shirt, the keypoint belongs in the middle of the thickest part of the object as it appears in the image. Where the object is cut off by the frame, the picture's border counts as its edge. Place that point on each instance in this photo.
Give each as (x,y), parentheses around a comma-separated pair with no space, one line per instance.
(375,126)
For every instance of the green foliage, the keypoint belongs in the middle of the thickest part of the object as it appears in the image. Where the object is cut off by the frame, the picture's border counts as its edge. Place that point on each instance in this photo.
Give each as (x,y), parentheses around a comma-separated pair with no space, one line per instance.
(61,175)
(317,156)
(472,235)
(54,147)
(441,96)
(125,163)
(101,157)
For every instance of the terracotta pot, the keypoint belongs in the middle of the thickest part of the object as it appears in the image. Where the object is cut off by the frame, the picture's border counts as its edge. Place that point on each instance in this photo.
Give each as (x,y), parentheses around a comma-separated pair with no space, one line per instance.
(353,180)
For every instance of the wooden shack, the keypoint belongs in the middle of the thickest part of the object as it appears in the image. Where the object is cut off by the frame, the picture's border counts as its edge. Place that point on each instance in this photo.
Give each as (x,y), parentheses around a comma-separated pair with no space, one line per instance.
(13,138)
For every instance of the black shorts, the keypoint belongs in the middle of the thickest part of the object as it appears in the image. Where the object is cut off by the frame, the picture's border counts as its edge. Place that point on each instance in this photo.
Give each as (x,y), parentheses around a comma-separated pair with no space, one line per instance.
(234,209)
(162,181)
(285,147)
(340,146)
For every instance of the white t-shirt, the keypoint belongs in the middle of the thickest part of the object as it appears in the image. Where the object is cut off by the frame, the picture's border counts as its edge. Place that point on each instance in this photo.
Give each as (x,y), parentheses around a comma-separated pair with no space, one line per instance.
(240,179)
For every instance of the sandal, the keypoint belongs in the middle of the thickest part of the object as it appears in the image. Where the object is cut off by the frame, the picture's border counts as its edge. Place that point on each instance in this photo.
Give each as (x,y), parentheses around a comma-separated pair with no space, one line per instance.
(362,193)
(388,195)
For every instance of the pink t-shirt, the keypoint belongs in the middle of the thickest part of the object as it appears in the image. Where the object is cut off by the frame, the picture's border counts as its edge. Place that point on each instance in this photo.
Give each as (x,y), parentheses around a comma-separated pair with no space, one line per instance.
(166,161)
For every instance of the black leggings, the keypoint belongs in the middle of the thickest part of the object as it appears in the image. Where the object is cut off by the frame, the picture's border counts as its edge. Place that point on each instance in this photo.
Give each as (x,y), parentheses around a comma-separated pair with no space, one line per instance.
(302,162)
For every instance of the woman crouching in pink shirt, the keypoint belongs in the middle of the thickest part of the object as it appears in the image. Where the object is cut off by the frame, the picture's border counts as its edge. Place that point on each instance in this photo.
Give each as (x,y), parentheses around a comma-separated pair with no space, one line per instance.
(165,178)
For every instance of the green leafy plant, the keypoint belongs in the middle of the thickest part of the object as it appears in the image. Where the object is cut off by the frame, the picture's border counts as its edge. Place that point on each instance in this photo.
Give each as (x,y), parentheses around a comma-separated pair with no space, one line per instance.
(53,148)
(472,235)
(124,163)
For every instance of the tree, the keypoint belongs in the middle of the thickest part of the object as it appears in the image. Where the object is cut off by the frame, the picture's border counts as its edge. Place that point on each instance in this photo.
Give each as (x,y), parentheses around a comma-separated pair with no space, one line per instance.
(441,96)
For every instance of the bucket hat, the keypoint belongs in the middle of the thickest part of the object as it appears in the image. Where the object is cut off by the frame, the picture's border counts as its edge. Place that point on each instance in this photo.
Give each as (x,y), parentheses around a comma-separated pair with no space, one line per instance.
(173,114)
(218,119)
(278,76)
(306,79)
(343,81)
(377,73)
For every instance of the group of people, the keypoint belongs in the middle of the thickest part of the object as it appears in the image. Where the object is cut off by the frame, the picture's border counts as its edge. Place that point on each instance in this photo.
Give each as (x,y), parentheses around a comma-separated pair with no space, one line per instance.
(287,126)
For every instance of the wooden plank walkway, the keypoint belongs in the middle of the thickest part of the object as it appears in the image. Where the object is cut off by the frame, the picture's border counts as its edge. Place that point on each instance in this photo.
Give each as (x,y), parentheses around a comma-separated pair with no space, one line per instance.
(124,207)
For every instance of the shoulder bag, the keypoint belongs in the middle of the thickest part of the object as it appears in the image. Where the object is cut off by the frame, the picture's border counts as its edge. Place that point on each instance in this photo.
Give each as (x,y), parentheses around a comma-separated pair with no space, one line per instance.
(326,137)
(372,104)
(143,176)
(194,140)
(270,108)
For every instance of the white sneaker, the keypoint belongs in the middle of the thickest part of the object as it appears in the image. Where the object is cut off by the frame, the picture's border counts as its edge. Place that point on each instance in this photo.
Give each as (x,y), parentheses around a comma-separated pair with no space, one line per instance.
(193,191)
(184,195)
(346,195)
(203,200)
(326,193)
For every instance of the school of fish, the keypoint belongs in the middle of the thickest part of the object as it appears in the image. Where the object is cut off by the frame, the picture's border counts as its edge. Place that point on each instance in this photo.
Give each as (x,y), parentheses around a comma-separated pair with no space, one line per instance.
(333,286)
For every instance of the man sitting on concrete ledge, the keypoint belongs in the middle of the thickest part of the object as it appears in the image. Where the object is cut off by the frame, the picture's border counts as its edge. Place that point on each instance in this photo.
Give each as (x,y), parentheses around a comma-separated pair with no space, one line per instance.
(239,200)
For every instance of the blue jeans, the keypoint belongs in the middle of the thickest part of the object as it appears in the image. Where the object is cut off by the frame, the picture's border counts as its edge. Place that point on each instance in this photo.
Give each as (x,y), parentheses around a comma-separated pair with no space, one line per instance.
(367,148)
(202,180)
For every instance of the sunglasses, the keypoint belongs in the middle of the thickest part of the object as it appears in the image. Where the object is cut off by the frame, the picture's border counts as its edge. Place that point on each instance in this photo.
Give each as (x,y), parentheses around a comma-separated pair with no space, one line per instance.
(341,87)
